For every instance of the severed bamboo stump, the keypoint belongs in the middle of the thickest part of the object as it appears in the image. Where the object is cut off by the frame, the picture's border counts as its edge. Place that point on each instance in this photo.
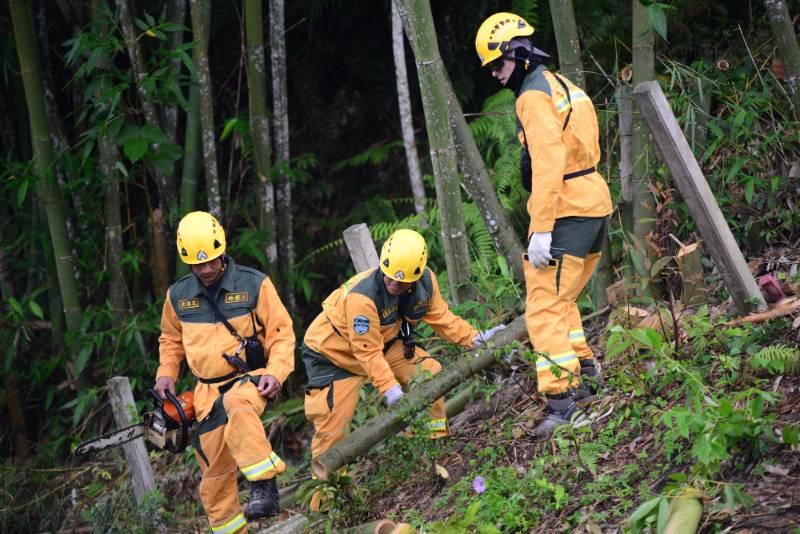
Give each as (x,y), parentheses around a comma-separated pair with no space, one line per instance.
(381,427)
(690,265)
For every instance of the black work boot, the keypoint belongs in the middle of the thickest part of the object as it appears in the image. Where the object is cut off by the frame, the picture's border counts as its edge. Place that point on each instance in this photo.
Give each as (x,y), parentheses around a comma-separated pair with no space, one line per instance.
(591,383)
(561,407)
(263,500)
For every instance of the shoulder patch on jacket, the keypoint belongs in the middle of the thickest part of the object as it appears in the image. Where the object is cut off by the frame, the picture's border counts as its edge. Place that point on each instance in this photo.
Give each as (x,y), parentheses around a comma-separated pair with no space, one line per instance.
(360,325)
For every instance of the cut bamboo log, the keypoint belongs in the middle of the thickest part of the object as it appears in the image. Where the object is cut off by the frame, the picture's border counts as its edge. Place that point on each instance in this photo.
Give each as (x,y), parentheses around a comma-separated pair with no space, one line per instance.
(382,526)
(296,524)
(419,398)
(685,515)
(690,265)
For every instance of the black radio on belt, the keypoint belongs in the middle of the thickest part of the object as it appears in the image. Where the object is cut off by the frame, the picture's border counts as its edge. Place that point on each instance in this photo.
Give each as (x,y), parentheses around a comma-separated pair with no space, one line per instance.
(407,335)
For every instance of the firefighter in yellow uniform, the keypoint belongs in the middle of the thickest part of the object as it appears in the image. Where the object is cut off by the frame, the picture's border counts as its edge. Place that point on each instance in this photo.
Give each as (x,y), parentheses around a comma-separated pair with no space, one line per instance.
(229,324)
(569,207)
(365,333)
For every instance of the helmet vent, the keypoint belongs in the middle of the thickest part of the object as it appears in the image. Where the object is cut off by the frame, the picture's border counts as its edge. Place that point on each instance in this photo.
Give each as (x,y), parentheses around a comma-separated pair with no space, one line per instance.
(386,262)
(217,244)
(183,252)
(417,271)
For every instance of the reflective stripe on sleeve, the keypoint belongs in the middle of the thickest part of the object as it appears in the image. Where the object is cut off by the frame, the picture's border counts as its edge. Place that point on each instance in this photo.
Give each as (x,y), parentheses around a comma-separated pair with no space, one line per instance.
(231,526)
(563,358)
(253,472)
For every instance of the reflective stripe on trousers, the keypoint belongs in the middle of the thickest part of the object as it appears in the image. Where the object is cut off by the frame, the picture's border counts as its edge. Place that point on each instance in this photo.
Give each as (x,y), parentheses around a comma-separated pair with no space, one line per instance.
(231,526)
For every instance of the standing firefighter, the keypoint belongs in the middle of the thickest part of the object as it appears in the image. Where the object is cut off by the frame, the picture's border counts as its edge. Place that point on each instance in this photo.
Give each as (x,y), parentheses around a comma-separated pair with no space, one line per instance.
(237,338)
(569,207)
(365,332)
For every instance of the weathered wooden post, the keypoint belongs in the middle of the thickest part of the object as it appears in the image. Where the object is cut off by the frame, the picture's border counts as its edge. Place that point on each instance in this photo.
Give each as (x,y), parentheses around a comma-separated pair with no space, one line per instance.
(119,393)
(361,247)
(695,191)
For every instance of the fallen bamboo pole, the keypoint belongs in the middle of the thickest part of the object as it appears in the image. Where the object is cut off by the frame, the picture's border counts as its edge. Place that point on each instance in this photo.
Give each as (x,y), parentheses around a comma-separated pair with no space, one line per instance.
(381,427)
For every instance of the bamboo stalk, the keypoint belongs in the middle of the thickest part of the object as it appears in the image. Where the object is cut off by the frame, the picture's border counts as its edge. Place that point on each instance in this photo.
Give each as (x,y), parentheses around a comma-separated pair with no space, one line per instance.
(379,428)
(480,187)
(418,25)
(259,129)
(788,49)
(382,526)
(201,14)
(44,161)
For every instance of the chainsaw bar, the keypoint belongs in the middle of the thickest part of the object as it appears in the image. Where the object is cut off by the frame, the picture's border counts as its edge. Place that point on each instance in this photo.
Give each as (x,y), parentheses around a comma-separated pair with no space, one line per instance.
(112,439)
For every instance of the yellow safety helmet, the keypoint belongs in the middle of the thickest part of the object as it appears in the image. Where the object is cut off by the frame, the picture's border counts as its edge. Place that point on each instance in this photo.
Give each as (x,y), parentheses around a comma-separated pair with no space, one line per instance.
(404,255)
(200,238)
(495,34)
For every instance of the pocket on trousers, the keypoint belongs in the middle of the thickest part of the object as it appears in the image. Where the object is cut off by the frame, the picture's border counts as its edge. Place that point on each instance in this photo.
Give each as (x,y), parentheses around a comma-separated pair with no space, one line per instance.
(316,403)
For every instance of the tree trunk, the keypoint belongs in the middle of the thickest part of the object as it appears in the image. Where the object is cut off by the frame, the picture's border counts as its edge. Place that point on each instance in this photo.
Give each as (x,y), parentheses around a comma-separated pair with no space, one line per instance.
(24,35)
(567,41)
(176,14)
(644,215)
(191,164)
(788,50)
(419,398)
(164,181)
(280,126)
(406,118)
(480,187)
(259,128)
(117,290)
(201,14)
(418,24)
(160,263)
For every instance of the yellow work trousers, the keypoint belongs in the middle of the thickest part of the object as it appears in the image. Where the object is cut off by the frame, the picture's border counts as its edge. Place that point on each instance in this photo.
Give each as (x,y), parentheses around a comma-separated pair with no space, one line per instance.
(554,322)
(331,408)
(239,444)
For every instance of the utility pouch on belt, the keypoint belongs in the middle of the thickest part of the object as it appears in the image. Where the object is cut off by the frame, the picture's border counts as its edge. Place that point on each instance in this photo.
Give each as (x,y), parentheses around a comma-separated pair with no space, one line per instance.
(254,350)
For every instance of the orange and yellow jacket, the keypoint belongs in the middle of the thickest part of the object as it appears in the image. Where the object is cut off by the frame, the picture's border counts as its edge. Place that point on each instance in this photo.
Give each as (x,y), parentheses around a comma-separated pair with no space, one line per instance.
(361,316)
(190,329)
(557,151)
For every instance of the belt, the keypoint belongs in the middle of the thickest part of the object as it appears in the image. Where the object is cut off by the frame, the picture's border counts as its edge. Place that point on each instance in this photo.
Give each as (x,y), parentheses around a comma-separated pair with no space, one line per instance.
(578,174)
(218,379)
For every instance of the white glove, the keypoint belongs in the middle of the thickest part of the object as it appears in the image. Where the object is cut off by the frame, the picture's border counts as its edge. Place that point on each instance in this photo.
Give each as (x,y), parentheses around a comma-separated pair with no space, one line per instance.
(539,249)
(394,394)
(482,337)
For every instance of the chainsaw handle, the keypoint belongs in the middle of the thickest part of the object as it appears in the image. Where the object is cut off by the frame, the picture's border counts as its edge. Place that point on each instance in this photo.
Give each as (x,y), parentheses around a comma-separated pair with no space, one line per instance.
(184,422)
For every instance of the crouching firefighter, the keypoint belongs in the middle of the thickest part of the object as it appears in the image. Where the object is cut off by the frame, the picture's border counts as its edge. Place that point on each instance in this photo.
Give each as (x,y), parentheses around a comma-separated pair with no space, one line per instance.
(229,324)
(568,206)
(365,331)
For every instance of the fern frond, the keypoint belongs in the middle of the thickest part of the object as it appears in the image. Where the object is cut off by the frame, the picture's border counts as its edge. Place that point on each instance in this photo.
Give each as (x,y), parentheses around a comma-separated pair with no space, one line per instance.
(777,359)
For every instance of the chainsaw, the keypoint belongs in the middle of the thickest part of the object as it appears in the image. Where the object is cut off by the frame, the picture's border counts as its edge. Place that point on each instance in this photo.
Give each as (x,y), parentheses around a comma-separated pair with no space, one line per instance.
(169,426)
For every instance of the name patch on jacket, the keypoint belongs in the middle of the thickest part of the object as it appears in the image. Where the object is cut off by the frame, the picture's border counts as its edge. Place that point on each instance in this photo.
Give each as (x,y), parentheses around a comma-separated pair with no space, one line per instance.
(360,325)
(188,304)
(235,298)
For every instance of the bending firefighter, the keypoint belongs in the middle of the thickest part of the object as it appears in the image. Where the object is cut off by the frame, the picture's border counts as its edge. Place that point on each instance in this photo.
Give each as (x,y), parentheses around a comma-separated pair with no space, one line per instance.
(568,206)
(365,332)
(229,324)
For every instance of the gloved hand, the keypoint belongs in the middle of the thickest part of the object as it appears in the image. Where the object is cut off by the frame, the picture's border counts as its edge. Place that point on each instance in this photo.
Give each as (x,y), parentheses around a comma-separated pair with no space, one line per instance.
(482,337)
(539,249)
(394,394)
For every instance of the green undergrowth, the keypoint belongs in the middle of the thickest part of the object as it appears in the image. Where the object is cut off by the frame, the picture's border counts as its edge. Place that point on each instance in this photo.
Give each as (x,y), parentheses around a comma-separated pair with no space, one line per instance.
(695,415)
